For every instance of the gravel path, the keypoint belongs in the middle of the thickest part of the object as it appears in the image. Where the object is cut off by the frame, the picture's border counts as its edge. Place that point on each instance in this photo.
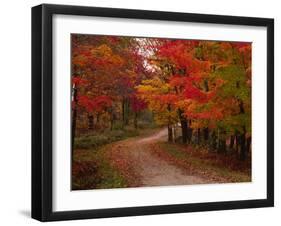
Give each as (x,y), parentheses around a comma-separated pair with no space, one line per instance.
(146,169)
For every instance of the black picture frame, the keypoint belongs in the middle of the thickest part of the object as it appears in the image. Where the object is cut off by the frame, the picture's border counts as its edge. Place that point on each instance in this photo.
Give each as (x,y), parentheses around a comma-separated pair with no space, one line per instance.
(42,111)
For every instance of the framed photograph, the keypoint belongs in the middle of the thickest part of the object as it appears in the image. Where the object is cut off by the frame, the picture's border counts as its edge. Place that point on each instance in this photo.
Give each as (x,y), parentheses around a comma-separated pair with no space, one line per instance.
(146,112)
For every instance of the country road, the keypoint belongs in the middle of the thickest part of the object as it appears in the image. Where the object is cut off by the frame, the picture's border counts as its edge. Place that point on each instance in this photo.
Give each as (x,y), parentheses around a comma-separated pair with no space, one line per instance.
(135,159)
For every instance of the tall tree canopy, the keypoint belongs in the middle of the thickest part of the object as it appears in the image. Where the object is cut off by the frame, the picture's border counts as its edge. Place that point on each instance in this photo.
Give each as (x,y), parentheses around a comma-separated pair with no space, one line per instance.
(203,86)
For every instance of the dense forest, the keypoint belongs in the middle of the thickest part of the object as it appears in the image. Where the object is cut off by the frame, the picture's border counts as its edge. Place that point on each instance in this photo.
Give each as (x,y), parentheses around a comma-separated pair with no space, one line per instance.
(200,91)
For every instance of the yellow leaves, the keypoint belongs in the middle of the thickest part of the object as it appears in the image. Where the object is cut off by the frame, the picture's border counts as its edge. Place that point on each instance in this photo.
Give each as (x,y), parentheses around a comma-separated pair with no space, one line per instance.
(165,117)
(102,51)
(160,100)
(116,60)
(104,54)
(156,82)
(146,89)
(151,90)
(184,104)
(79,60)
(196,124)
(154,85)
(131,74)
(165,88)
(189,106)
(100,56)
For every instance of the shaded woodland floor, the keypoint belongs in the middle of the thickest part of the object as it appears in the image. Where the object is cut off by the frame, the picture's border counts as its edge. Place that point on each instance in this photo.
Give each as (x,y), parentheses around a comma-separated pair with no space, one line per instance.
(148,160)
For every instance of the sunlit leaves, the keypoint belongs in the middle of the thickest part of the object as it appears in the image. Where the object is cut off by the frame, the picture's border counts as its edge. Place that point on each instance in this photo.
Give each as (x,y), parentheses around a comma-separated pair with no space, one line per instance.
(208,81)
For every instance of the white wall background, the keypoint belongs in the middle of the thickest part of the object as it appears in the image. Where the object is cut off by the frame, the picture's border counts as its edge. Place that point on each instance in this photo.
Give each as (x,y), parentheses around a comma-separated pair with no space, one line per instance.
(15,114)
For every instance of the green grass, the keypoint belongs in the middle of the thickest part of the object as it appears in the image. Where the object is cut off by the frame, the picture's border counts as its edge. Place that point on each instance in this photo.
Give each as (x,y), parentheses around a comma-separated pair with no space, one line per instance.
(92,170)
(94,141)
(204,164)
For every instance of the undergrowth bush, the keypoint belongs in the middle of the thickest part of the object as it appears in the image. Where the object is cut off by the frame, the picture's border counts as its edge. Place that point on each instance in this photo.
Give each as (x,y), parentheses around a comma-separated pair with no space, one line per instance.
(96,140)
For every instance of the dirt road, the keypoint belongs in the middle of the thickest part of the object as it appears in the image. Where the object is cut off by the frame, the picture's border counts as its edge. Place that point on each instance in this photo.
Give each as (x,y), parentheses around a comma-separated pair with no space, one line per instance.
(136,161)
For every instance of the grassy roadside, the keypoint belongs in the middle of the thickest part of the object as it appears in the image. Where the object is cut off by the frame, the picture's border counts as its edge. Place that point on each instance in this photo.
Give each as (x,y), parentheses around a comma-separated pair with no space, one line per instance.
(92,167)
(216,168)
(92,170)
(97,139)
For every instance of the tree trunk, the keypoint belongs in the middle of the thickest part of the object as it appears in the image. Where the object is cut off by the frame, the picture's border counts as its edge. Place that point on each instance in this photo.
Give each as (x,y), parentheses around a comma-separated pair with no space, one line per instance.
(214,140)
(136,120)
(123,112)
(184,130)
(206,130)
(111,119)
(111,124)
(231,144)
(184,126)
(206,134)
(90,121)
(127,110)
(98,118)
(74,117)
(170,130)
(243,145)
(175,133)
(248,144)
(198,136)
(243,135)
(222,146)
(189,132)
(170,133)
(237,143)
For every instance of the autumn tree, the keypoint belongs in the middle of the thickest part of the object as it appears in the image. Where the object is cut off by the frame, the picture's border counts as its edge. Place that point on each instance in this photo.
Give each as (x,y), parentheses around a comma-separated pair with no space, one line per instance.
(205,86)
